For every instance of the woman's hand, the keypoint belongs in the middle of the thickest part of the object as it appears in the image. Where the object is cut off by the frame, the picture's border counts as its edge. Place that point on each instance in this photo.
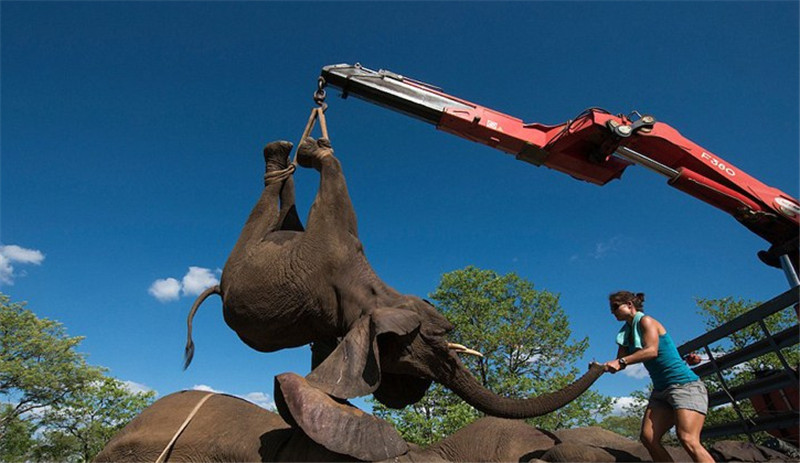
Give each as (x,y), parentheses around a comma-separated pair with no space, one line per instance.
(612,366)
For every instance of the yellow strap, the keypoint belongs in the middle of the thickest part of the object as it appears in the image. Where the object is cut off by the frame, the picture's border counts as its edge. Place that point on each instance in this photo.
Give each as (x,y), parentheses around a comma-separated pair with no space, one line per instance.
(162,458)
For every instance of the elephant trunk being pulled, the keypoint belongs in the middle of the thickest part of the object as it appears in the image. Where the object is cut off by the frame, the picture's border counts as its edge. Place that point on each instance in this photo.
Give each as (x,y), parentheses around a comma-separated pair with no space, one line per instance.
(460,381)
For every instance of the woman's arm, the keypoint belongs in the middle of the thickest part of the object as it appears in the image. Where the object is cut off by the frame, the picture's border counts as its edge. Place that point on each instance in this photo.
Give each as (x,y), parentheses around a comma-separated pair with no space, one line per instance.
(613,366)
(650,332)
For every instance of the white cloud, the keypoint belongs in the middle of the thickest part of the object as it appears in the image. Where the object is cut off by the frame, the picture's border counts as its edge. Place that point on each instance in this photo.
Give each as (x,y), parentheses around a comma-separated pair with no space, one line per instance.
(22,255)
(165,290)
(620,403)
(196,280)
(13,254)
(602,248)
(261,399)
(136,388)
(636,371)
(203,387)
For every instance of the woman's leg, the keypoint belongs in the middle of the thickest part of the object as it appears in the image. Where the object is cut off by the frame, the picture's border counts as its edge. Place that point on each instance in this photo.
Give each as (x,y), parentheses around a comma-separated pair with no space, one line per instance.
(688,424)
(656,422)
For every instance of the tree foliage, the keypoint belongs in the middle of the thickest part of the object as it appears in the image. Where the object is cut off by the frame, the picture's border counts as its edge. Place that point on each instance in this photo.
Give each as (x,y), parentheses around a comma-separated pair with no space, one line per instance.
(39,366)
(526,341)
(81,425)
(54,406)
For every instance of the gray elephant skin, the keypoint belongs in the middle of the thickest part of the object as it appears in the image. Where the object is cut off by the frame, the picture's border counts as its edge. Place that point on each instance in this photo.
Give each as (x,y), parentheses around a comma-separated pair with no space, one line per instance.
(284,285)
(230,429)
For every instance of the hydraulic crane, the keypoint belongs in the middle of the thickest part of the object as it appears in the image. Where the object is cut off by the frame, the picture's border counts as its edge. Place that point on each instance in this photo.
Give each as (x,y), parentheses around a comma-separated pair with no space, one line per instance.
(596,146)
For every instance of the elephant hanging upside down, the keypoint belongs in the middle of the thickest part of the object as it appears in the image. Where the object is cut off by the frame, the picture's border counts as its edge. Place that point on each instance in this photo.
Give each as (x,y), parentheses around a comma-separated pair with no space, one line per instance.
(285,286)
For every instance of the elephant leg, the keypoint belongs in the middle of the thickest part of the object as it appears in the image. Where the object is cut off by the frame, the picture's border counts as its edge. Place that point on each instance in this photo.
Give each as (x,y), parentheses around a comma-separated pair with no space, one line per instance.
(287,217)
(266,217)
(332,212)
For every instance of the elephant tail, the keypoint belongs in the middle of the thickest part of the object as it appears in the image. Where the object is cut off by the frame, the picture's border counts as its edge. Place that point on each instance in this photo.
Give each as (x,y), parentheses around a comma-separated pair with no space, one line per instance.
(189,351)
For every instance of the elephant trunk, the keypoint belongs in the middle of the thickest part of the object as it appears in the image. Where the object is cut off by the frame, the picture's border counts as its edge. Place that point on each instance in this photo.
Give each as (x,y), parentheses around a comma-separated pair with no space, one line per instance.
(474,393)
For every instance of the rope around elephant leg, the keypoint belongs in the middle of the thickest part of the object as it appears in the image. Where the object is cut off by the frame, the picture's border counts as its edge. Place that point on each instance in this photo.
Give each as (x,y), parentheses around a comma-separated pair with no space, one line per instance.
(283,174)
(162,458)
(279,175)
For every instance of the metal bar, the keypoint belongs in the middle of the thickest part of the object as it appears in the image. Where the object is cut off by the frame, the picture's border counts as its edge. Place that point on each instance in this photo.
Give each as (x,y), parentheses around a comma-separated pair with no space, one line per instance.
(779,421)
(776,304)
(774,345)
(753,388)
(784,339)
(639,158)
(391,91)
(789,271)
(726,390)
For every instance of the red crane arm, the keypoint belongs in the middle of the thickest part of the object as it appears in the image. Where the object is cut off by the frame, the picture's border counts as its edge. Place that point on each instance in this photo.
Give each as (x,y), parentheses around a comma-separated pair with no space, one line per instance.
(596,147)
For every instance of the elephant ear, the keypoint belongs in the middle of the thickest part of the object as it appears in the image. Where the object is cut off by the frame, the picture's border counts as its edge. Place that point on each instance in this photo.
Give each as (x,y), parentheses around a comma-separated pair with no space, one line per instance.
(353,369)
(340,428)
(396,321)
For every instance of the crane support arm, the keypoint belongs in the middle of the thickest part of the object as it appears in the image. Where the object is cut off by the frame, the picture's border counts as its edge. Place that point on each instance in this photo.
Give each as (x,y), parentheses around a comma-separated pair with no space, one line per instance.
(596,146)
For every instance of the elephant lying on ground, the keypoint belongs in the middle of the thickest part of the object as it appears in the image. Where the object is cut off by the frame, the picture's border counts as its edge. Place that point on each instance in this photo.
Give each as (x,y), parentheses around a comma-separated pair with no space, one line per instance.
(285,286)
(229,429)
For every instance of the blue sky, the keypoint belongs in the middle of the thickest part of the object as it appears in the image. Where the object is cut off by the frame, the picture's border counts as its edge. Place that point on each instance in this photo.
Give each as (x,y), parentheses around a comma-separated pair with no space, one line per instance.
(131,137)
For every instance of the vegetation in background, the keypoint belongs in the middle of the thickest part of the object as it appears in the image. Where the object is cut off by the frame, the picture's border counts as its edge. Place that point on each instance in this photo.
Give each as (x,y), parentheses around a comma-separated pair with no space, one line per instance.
(54,406)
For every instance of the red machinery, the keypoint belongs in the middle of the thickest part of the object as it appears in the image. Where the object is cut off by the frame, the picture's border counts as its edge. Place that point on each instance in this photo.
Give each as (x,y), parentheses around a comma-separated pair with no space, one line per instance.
(596,147)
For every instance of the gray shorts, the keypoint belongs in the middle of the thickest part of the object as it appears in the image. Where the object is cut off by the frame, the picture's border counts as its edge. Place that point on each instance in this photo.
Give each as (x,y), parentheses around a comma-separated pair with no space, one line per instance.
(691,396)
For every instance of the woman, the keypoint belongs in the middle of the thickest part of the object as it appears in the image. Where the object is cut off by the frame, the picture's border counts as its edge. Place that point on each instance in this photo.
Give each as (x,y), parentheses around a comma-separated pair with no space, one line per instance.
(679,398)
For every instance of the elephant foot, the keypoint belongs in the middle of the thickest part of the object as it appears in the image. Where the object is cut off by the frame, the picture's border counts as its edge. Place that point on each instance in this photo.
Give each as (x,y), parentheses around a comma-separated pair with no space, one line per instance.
(311,152)
(338,427)
(276,155)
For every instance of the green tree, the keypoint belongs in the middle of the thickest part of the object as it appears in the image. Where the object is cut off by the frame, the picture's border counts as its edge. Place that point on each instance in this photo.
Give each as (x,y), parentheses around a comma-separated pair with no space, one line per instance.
(80,426)
(39,366)
(53,405)
(525,338)
(17,438)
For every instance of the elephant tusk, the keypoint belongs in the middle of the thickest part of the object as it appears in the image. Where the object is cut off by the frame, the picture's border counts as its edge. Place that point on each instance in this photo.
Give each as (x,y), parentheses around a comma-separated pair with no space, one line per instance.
(463,349)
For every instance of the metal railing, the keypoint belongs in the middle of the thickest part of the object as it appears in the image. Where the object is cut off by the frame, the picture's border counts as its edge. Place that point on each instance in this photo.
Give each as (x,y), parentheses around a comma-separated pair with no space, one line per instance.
(777,380)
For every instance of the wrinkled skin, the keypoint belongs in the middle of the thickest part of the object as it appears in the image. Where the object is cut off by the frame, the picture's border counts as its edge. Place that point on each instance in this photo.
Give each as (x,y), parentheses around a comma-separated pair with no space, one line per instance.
(597,444)
(229,429)
(285,286)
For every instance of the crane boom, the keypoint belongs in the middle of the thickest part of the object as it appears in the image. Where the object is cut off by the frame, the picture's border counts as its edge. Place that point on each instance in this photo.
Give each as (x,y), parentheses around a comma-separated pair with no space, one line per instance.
(596,146)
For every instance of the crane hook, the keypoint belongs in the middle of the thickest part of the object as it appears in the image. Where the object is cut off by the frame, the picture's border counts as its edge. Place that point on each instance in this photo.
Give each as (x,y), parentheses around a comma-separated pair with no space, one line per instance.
(319,95)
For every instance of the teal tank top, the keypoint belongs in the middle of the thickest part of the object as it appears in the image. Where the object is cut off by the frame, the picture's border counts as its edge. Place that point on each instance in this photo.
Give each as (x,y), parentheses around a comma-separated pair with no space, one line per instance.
(668,368)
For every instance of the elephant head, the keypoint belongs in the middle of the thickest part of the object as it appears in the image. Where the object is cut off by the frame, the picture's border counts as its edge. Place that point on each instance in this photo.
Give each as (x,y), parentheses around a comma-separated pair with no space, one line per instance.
(395,353)
(285,285)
